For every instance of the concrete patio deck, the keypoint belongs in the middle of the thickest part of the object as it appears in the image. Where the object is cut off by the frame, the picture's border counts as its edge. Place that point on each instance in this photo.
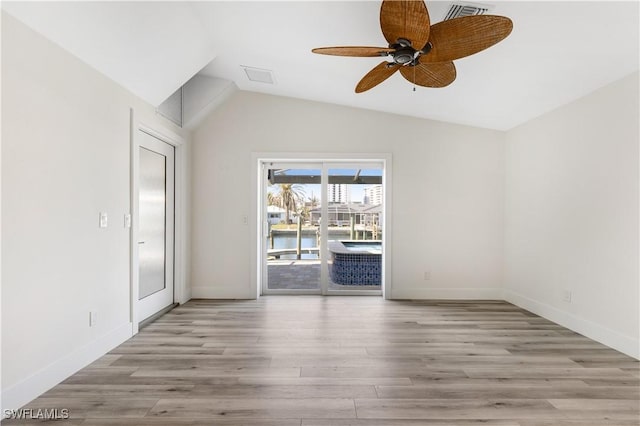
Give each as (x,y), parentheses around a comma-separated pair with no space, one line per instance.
(303,275)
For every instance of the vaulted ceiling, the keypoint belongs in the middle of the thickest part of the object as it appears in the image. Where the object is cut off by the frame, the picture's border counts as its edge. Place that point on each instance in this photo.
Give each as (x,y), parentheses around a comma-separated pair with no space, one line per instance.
(557,52)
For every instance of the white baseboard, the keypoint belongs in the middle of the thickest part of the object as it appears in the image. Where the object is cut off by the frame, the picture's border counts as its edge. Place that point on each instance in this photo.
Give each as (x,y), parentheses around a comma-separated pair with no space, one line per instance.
(187,295)
(405,293)
(625,344)
(221,293)
(35,385)
(447,293)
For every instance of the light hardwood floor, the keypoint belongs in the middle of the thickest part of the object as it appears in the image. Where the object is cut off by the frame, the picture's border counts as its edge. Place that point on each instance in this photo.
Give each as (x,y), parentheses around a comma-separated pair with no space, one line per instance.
(338,361)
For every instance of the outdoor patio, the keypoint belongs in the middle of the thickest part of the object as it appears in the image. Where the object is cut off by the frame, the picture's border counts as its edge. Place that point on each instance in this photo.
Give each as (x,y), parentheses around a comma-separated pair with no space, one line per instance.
(303,275)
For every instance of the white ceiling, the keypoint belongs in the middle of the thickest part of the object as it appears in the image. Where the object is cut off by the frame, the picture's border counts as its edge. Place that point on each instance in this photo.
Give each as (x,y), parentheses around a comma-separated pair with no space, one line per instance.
(557,52)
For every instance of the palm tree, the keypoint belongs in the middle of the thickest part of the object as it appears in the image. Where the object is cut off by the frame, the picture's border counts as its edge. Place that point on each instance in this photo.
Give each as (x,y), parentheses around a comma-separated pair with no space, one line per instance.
(304,212)
(290,195)
(273,199)
(313,201)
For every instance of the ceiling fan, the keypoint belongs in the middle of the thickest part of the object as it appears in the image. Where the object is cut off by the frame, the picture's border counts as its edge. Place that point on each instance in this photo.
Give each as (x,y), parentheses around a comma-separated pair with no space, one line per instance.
(423,53)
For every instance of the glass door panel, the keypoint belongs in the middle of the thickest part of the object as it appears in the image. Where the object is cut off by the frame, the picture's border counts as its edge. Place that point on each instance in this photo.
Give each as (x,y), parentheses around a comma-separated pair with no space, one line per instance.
(293,217)
(354,234)
(152,222)
(156,206)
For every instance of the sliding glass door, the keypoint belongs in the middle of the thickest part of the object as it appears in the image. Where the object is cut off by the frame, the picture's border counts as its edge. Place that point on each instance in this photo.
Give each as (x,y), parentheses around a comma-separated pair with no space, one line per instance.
(322,230)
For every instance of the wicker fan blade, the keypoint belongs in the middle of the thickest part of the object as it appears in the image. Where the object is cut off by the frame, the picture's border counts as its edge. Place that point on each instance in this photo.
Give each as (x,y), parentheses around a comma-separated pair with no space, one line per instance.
(405,19)
(430,75)
(460,37)
(376,76)
(353,51)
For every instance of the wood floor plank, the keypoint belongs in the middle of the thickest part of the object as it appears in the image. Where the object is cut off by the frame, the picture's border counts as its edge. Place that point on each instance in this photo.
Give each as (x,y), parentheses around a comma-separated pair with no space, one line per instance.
(218,372)
(98,407)
(345,361)
(582,421)
(614,381)
(158,421)
(468,391)
(326,381)
(407,422)
(127,380)
(162,350)
(286,391)
(255,408)
(467,381)
(22,422)
(496,361)
(183,361)
(544,372)
(479,409)
(65,390)
(388,371)
(359,361)
(625,405)
(281,350)
(425,350)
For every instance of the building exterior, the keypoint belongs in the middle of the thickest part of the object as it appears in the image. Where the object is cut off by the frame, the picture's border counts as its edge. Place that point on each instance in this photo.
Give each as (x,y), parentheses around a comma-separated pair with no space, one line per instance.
(338,193)
(373,195)
(341,214)
(276,215)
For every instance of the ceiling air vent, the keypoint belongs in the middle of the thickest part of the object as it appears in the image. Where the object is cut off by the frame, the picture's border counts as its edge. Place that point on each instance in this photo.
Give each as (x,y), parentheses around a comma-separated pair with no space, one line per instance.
(458,10)
(260,75)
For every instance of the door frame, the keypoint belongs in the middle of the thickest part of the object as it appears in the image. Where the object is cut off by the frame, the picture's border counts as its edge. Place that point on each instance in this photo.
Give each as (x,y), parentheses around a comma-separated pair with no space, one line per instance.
(257,228)
(180,292)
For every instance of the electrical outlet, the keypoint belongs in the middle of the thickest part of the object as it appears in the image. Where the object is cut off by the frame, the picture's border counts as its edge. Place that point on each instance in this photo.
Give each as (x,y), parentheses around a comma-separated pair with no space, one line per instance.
(245,220)
(427,275)
(93,318)
(566,296)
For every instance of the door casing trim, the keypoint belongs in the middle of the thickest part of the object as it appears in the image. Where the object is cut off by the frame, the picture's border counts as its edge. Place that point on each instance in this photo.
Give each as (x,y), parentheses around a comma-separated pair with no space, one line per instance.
(256,220)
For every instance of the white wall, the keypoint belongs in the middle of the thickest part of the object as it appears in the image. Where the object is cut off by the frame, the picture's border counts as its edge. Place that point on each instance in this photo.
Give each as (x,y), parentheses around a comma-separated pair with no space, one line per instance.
(0,235)
(65,158)
(572,215)
(201,95)
(448,187)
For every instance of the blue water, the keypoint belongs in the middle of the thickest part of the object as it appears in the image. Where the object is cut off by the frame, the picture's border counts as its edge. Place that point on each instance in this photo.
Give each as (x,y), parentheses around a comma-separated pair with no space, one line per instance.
(289,241)
(284,241)
(371,247)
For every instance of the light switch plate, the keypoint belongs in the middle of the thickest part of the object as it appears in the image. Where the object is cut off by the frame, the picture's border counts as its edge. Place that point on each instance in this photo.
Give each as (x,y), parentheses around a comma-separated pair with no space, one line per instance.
(103,220)
(127,220)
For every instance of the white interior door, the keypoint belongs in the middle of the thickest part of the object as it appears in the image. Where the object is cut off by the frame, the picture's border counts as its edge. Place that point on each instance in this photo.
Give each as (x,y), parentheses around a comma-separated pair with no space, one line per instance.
(156,206)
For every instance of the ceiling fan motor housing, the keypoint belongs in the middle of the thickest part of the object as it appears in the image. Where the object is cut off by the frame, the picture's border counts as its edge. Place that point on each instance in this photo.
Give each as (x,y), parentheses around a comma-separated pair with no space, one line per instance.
(404,55)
